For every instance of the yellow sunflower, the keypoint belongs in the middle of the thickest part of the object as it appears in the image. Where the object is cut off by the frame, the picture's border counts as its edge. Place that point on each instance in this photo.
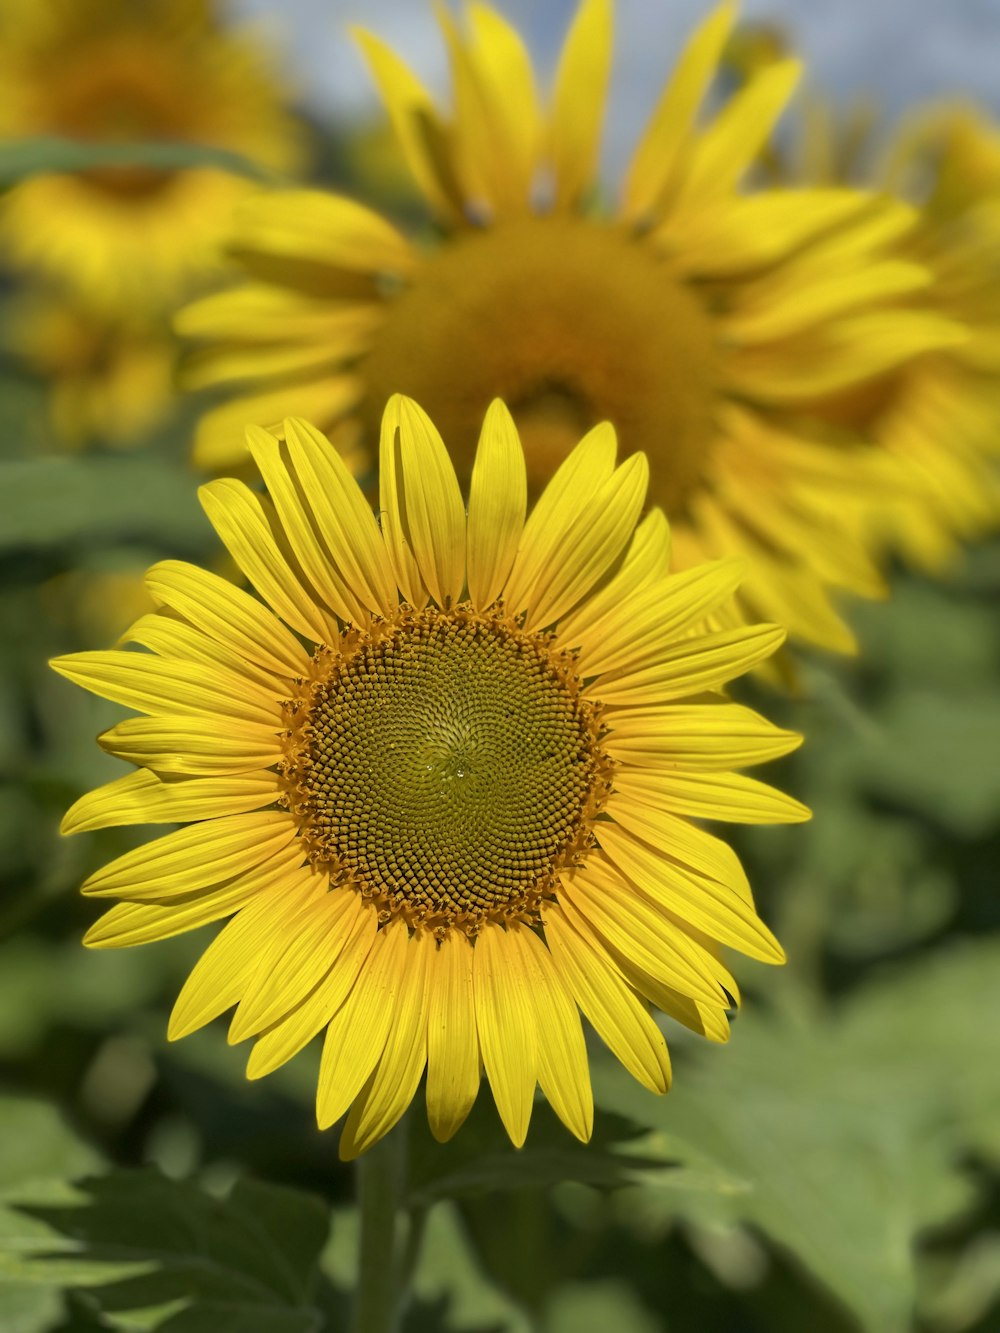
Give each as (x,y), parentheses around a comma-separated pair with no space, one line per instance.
(698,319)
(111,374)
(107,71)
(937,416)
(443,775)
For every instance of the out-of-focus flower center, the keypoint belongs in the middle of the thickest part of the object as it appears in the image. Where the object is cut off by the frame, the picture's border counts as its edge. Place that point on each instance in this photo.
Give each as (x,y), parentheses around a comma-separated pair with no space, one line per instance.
(571,322)
(446,764)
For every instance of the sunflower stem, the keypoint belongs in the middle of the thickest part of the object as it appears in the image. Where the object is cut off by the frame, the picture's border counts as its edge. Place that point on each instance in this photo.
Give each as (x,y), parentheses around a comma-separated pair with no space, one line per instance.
(381,1187)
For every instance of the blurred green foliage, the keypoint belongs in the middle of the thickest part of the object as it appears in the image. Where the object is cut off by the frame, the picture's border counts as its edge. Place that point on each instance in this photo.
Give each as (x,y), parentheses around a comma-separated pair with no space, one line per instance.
(834,1169)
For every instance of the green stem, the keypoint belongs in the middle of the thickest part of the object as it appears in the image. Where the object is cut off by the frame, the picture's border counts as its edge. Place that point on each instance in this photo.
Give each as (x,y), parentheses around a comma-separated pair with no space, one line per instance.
(381,1186)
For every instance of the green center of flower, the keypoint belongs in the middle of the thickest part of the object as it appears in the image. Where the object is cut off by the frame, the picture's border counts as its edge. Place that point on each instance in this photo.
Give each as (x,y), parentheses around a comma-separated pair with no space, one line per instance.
(571,322)
(447,767)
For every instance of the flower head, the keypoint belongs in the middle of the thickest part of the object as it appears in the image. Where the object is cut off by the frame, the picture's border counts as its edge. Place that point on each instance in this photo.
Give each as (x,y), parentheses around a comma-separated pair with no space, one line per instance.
(110,71)
(697,319)
(443,773)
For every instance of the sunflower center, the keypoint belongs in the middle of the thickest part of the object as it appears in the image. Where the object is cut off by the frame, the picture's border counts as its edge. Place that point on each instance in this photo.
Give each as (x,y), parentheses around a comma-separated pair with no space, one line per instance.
(571,322)
(448,767)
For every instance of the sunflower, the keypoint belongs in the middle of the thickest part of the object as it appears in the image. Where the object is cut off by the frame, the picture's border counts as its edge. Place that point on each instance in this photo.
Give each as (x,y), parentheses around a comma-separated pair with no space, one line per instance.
(938,416)
(111,375)
(108,71)
(443,775)
(697,319)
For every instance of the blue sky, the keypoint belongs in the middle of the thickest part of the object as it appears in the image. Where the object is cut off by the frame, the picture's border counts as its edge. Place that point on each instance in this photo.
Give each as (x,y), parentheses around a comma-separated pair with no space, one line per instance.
(902,50)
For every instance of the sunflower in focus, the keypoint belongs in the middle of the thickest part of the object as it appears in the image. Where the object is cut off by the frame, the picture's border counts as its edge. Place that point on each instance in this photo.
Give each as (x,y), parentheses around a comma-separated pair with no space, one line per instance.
(444,773)
(109,71)
(699,320)
(938,415)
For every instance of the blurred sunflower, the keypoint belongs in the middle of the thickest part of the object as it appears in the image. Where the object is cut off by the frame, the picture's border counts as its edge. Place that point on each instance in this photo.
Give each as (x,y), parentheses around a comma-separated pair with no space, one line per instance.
(109,71)
(696,319)
(937,416)
(442,776)
(111,373)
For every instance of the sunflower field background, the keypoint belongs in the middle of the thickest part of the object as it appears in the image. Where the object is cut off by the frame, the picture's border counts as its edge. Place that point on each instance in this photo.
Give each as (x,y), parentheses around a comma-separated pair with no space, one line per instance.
(836,1167)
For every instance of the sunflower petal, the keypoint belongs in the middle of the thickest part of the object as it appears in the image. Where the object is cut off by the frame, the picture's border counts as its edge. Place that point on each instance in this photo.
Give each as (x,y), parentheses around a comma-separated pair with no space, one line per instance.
(498,500)
(578,101)
(452,1039)
(508,1029)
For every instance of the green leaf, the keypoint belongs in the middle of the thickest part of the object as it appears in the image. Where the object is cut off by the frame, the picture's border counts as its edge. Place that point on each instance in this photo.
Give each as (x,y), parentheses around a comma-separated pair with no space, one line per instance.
(182,1260)
(848,1130)
(54,502)
(22,158)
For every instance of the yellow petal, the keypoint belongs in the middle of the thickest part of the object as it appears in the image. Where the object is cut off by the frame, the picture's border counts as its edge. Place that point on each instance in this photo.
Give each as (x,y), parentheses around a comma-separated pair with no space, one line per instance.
(563,1072)
(296,521)
(618,1016)
(358,1030)
(579,100)
(343,516)
(288,1036)
(209,852)
(690,667)
(392,513)
(184,746)
(145,798)
(228,614)
(646,561)
(508,1036)
(416,125)
(431,510)
(152,684)
(720,912)
(725,796)
(220,436)
(324,228)
(588,467)
(498,499)
(221,974)
(654,167)
(394,1083)
(295,962)
(242,522)
(708,737)
(452,1041)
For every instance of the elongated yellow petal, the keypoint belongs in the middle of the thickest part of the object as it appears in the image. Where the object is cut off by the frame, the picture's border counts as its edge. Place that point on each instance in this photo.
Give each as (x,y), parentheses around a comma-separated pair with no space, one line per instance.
(691,666)
(724,796)
(209,852)
(660,612)
(392,511)
(718,911)
(630,923)
(220,976)
(358,1030)
(507,85)
(145,798)
(343,517)
(220,436)
(653,171)
(416,125)
(172,745)
(167,636)
(741,129)
(323,228)
(295,963)
(431,507)
(563,1072)
(243,524)
(707,1020)
(452,1040)
(498,500)
(296,523)
(590,544)
(288,1036)
(589,466)
(647,559)
(152,684)
(228,614)
(619,1017)
(708,737)
(401,1064)
(578,101)
(264,313)
(508,1033)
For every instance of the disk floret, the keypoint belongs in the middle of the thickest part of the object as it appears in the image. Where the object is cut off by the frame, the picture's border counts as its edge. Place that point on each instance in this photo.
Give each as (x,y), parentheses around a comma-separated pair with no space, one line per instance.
(445,764)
